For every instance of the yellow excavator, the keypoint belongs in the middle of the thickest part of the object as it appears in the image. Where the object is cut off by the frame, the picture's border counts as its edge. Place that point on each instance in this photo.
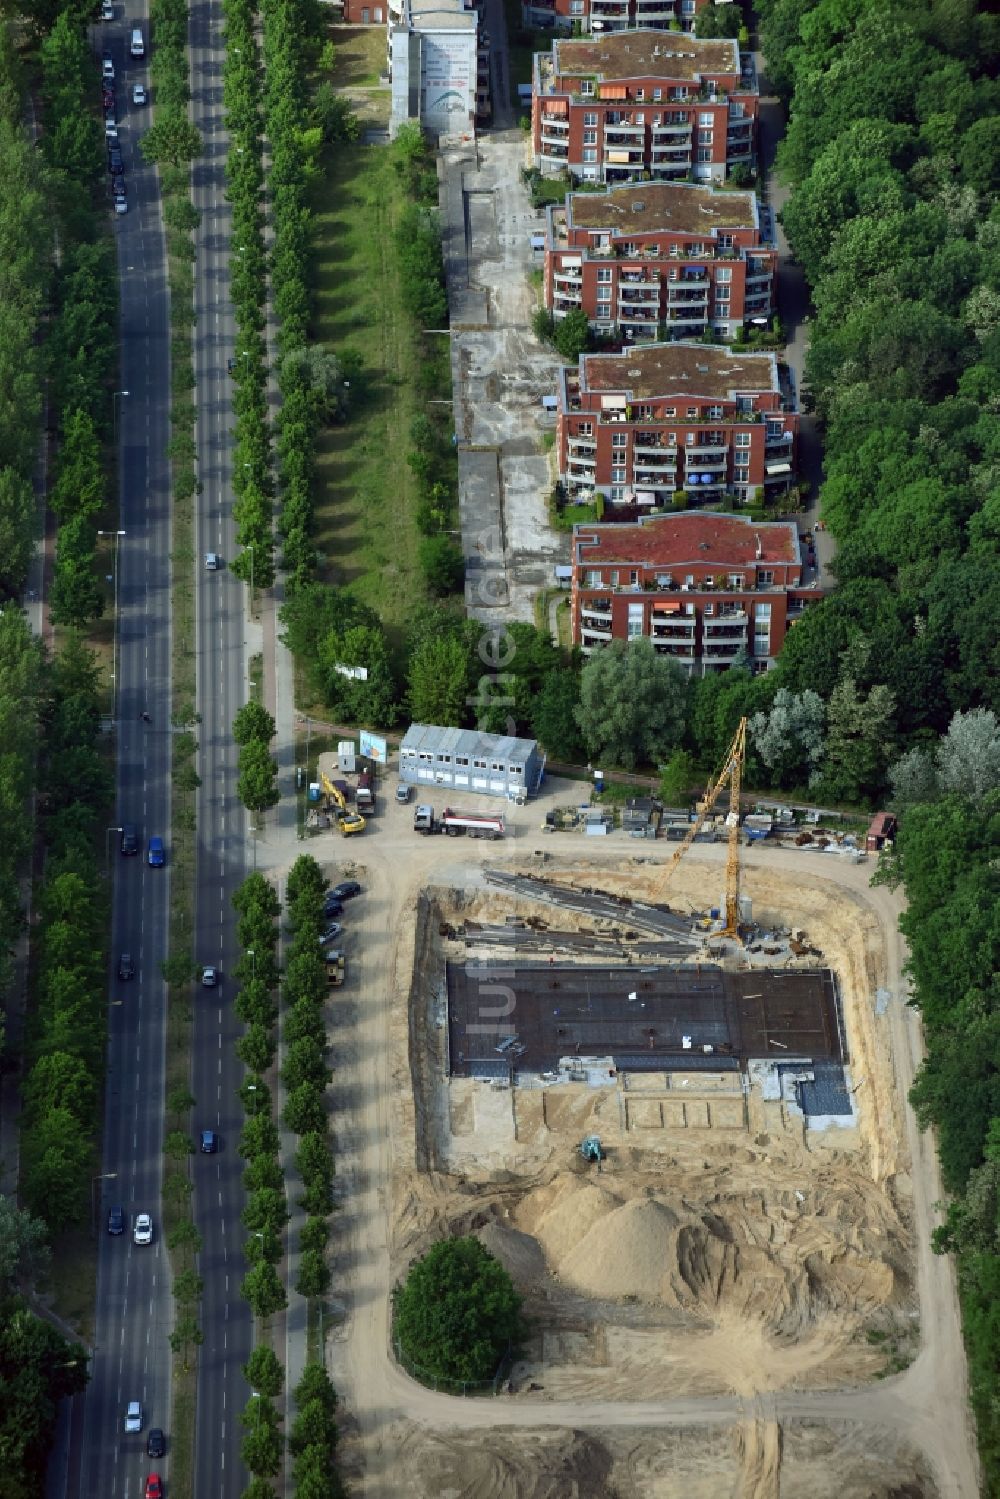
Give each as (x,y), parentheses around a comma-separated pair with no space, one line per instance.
(731,774)
(347,821)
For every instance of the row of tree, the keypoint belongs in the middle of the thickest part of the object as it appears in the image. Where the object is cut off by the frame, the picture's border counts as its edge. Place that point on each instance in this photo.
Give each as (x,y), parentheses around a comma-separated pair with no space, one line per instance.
(257,782)
(23,688)
(252,457)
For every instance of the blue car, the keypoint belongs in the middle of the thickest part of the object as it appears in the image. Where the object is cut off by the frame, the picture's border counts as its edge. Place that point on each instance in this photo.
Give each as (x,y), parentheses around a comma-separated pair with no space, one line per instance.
(156,856)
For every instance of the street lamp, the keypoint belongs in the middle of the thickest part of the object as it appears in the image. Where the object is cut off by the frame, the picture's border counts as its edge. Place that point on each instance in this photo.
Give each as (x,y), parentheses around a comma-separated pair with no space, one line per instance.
(253,963)
(250,548)
(114,634)
(115,398)
(101,1176)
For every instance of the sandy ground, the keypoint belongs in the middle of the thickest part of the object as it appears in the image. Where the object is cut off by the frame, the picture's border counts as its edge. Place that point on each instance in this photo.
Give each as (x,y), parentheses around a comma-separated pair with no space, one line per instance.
(714,1381)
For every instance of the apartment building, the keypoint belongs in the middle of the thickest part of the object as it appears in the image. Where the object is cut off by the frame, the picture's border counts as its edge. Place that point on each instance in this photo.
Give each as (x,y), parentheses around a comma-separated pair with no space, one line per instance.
(708,590)
(660,260)
(643,104)
(639,426)
(437,57)
(593,16)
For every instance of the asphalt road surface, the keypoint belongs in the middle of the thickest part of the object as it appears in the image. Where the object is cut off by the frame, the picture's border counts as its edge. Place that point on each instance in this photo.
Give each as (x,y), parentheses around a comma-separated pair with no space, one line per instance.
(221,604)
(134,1305)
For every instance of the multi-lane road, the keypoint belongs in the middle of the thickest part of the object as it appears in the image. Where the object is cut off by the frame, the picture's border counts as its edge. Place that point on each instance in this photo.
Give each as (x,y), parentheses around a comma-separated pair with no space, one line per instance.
(134,1312)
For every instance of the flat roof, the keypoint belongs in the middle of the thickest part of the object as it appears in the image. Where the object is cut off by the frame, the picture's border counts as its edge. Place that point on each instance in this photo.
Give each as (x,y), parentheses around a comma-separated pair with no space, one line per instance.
(644,54)
(691,536)
(638,1014)
(439,15)
(438,740)
(693,369)
(687,207)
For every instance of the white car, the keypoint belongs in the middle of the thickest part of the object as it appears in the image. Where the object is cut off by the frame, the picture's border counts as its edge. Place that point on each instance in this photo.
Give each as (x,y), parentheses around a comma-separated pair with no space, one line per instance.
(209,978)
(143,1231)
(138,93)
(107,10)
(133,1416)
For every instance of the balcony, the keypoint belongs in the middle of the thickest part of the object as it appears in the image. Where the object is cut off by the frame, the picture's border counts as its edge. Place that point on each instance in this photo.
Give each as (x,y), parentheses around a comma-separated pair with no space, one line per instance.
(582,468)
(624,129)
(655,455)
(639,281)
(673,627)
(648,15)
(592,637)
(707,451)
(552,152)
(582,447)
(573,276)
(554,124)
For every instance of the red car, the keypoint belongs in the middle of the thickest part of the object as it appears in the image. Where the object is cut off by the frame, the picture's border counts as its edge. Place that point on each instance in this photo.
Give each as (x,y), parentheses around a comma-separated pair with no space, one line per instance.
(154,1488)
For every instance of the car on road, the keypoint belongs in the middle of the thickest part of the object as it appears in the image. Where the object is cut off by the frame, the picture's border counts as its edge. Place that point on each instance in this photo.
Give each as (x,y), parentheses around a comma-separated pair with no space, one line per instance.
(402,793)
(110,125)
(208,1142)
(126,967)
(107,65)
(209,977)
(331,934)
(138,94)
(346,890)
(137,47)
(129,839)
(212,562)
(156,855)
(156,1443)
(133,1416)
(154,1487)
(116,1220)
(116,162)
(107,10)
(117,187)
(121,203)
(143,1231)
(231,364)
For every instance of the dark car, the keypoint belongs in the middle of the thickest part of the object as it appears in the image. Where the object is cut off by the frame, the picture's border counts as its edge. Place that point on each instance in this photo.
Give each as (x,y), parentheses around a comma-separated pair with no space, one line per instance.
(129,839)
(156,855)
(116,1221)
(332,907)
(346,890)
(126,968)
(116,162)
(231,364)
(118,193)
(156,1443)
(209,1142)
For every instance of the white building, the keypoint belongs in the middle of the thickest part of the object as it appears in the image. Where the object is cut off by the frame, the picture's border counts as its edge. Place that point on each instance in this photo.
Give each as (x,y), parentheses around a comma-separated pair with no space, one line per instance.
(436,65)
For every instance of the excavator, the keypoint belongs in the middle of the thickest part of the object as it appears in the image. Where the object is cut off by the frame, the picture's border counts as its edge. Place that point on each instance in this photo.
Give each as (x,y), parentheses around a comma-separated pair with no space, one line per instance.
(348,822)
(731,774)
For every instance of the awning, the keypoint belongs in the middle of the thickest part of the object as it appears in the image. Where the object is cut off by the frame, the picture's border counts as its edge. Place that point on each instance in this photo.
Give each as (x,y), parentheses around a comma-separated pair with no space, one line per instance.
(570,263)
(618,158)
(614,91)
(772,469)
(644,497)
(670,606)
(613,403)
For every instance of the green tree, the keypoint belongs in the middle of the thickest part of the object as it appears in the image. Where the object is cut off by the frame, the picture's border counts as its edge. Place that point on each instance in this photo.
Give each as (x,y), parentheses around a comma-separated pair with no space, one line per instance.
(457,1312)
(264,1291)
(18,530)
(438,681)
(24,1251)
(266,1212)
(256,785)
(553,716)
(253,721)
(718,21)
(677,778)
(38,1368)
(571,335)
(264,1372)
(304,1108)
(173,140)
(790,738)
(633,704)
(443,564)
(859,740)
(305,879)
(186,1336)
(314,1274)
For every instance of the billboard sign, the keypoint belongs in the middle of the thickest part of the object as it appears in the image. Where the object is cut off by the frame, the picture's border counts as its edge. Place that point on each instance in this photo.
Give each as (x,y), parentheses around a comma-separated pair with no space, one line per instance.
(373,747)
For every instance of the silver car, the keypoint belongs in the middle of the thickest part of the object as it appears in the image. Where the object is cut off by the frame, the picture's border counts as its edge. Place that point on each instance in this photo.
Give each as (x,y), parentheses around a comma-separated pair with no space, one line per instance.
(133,1416)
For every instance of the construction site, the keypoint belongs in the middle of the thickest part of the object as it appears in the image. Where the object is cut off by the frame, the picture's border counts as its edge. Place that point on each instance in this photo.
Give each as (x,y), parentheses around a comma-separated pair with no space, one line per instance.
(659,1085)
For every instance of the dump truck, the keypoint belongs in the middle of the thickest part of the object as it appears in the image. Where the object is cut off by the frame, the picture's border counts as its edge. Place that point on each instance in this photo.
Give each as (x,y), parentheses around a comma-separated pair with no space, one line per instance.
(455,824)
(365,794)
(347,821)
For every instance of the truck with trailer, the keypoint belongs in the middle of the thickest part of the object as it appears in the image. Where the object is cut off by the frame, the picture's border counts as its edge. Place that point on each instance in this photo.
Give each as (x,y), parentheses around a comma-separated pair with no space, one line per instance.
(456,824)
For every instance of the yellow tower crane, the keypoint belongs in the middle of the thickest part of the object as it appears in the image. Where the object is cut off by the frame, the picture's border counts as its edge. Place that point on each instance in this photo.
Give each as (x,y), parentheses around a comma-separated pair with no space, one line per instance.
(731,772)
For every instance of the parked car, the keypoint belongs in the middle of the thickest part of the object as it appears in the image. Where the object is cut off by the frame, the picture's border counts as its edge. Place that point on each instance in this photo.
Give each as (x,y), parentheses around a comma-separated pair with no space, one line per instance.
(129,839)
(332,907)
(116,163)
(209,977)
(402,793)
(110,127)
(231,364)
(138,93)
(133,1416)
(116,1220)
(209,1142)
(126,968)
(136,46)
(107,10)
(331,934)
(142,1233)
(156,855)
(346,890)
(156,1443)
(121,203)
(118,187)
(107,65)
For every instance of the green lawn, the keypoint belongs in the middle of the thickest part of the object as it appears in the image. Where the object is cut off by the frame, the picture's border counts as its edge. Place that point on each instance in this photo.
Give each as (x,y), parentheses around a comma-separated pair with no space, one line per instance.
(365,495)
(359,56)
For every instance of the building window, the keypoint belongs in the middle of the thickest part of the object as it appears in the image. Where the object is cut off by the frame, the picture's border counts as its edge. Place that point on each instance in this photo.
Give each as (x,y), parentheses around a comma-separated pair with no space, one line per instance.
(640,118)
(587,87)
(589,118)
(635,619)
(724,273)
(715,413)
(762,629)
(692,414)
(604,309)
(585,429)
(619,440)
(657,95)
(741,475)
(704,153)
(479,764)
(618,476)
(743,439)
(576,8)
(462,760)
(589,153)
(722,293)
(617,494)
(765,575)
(590,137)
(640,94)
(604,273)
(592,577)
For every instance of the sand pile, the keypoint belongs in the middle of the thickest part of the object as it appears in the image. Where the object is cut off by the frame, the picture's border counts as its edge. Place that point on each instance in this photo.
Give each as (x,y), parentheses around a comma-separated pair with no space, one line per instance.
(742,1256)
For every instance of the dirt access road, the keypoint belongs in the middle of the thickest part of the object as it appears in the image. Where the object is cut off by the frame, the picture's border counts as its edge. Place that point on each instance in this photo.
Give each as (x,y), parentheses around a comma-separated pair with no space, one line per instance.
(926,1406)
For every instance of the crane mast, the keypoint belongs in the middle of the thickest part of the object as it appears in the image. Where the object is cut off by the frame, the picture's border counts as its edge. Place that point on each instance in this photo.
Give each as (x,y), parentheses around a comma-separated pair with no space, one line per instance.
(731,774)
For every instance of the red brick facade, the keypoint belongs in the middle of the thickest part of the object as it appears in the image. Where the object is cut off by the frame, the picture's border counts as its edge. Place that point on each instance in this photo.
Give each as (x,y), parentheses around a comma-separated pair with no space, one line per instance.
(636,103)
(658,259)
(708,590)
(639,426)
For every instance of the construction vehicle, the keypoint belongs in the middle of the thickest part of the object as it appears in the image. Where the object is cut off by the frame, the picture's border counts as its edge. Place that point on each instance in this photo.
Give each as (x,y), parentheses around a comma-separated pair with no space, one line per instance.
(336,969)
(731,774)
(561,820)
(347,821)
(474,824)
